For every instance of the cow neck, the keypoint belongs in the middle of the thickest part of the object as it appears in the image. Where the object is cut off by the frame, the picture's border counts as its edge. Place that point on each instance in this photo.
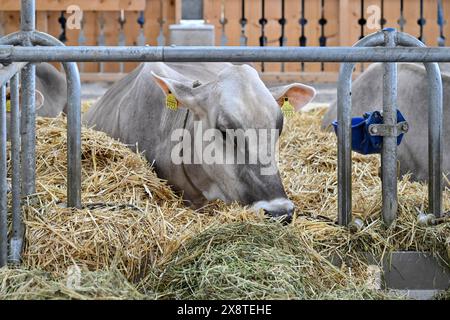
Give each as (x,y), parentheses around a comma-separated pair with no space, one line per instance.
(186,117)
(183,166)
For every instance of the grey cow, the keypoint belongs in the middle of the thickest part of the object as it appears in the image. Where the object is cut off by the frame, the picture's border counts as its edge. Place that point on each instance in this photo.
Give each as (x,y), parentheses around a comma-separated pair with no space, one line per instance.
(367,95)
(51,92)
(219,96)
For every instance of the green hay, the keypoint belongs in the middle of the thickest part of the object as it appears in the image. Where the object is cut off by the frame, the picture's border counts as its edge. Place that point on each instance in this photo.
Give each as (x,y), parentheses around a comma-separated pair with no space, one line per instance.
(35,284)
(255,261)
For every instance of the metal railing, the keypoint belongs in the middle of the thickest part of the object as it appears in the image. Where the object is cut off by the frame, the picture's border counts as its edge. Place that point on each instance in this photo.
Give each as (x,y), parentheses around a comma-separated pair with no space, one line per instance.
(16,48)
(11,74)
(276,23)
(390,38)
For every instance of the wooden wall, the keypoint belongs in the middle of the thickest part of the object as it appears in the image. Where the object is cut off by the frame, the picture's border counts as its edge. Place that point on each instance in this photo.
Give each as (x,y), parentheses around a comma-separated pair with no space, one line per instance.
(342,28)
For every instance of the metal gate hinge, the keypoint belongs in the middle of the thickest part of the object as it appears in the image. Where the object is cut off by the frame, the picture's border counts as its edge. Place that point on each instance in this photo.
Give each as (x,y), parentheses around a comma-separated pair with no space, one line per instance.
(384,130)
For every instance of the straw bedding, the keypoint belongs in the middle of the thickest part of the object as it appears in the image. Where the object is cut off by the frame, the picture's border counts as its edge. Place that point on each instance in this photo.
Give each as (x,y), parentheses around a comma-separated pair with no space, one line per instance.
(135,238)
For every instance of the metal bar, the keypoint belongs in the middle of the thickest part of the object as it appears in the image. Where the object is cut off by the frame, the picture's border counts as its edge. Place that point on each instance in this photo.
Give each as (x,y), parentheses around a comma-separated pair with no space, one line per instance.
(27,15)
(389,149)
(435,125)
(16,38)
(28,85)
(73,123)
(9,71)
(28,130)
(3,182)
(217,54)
(16,243)
(73,136)
(344,103)
(435,149)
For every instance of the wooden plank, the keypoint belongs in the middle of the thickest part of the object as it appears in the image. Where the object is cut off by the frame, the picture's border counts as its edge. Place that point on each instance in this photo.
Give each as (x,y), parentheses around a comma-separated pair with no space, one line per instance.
(312,30)
(332,30)
(293,31)
(178,11)
(273,31)
(411,13)
(431,28)
(87,5)
(42,21)
(344,23)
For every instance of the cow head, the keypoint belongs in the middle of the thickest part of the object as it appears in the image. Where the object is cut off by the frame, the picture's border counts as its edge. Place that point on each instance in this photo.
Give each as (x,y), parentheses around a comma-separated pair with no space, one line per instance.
(232,146)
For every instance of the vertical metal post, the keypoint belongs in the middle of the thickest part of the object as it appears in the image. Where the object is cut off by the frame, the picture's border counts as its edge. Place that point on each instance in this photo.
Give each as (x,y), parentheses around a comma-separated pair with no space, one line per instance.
(3,182)
(73,136)
(28,125)
(27,15)
(344,111)
(435,120)
(28,130)
(344,145)
(17,224)
(389,150)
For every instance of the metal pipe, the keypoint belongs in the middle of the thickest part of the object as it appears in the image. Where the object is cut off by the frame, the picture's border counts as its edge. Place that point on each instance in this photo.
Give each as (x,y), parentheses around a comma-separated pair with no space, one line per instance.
(12,71)
(73,122)
(27,15)
(344,104)
(435,131)
(12,39)
(28,86)
(389,148)
(3,182)
(217,54)
(28,130)
(344,110)
(16,243)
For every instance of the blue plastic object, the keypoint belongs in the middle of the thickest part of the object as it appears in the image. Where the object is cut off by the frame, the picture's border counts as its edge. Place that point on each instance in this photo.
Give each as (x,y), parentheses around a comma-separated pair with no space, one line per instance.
(362,141)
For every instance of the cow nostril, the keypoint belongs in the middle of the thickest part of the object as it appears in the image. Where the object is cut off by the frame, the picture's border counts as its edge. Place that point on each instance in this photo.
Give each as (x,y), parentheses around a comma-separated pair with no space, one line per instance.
(284,216)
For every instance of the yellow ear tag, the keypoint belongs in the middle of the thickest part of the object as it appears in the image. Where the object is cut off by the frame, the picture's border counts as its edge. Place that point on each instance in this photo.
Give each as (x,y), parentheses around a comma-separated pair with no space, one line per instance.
(8,105)
(287,108)
(171,102)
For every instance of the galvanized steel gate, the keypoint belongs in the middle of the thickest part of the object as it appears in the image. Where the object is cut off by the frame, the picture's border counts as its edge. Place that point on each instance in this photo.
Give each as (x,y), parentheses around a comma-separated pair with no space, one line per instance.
(20,50)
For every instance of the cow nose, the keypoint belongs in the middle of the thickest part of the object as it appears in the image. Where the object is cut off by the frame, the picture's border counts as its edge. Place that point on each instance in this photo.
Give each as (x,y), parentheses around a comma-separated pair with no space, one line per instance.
(280,209)
(284,216)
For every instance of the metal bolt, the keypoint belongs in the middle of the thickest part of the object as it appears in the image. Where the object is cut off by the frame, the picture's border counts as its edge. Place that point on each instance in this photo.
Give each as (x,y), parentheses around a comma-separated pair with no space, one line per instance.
(405,127)
(356,225)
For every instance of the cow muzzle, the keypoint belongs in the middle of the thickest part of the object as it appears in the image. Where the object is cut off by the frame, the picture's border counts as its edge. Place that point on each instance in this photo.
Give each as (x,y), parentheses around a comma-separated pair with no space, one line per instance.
(280,209)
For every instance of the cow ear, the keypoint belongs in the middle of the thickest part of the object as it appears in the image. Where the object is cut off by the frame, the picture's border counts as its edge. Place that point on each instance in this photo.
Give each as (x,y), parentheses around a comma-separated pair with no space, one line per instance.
(39,98)
(182,91)
(299,95)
